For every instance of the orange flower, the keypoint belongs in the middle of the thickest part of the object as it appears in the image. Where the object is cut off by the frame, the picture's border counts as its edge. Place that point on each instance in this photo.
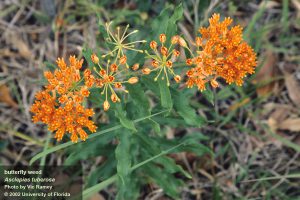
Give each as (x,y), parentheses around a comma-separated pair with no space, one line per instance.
(221,53)
(67,115)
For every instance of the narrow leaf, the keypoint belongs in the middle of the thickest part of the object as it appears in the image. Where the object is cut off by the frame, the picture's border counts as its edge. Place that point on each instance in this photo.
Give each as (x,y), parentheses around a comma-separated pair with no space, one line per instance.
(183,108)
(123,156)
(121,114)
(165,95)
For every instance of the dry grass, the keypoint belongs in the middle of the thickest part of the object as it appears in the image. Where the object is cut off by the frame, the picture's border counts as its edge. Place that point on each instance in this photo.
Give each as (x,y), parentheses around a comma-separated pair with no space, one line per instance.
(33,32)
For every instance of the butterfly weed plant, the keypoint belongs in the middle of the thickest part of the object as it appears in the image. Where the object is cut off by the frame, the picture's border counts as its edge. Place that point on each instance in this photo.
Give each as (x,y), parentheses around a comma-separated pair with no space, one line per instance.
(140,87)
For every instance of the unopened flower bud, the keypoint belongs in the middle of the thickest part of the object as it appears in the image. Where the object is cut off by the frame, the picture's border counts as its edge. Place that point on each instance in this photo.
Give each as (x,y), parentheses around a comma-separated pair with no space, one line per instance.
(164,51)
(155,63)
(214,83)
(189,61)
(133,80)
(175,39)
(182,42)
(113,67)
(114,98)
(162,38)
(146,71)
(135,67)
(123,59)
(177,78)
(169,64)
(106,105)
(95,58)
(118,85)
(102,72)
(176,53)
(111,78)
(153,45)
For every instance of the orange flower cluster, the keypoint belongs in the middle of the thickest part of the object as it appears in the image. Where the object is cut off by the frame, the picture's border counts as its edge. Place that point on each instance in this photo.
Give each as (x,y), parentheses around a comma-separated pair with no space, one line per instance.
(221,53)
(162,60)
(108,79)
(60,105)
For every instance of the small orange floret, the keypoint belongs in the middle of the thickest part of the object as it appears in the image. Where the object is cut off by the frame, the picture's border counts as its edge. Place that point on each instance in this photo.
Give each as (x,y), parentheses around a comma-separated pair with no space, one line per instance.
(153,45)
(123,60)
(164,51)
(162,38)
(95,58)
(146,71)
(133,80)
(135,67)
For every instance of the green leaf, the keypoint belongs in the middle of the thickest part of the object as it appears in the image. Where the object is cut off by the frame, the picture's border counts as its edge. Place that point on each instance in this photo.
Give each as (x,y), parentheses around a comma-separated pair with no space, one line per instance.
(67,144)
(177,15)
(155,126)
(88,151)
(87,52)
(171,167)
(196,148)
(95,97)
(121,114)
(129,190)
(92,190)
(139,98)
(209,96)
(102,172)
(165,180)
(165,95)
(166,23)
(123,156)
(152,147)
(183,108)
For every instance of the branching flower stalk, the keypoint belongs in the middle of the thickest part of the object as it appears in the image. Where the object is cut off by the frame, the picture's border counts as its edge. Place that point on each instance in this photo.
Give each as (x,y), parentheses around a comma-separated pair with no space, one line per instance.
(118,40)
(109,79)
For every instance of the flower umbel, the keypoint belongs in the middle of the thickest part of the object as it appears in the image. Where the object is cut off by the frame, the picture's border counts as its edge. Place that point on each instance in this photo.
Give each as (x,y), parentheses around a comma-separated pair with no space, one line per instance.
(109,80)
(60,104)
(221,52)
(163,58)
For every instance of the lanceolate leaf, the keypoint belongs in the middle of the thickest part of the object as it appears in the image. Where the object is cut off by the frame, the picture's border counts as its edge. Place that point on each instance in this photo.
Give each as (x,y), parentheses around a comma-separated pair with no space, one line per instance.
(123,156)
(139,98)
(120,113)
(165,95)
(87,55)
(172,27)
(209,95)
(183,108)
